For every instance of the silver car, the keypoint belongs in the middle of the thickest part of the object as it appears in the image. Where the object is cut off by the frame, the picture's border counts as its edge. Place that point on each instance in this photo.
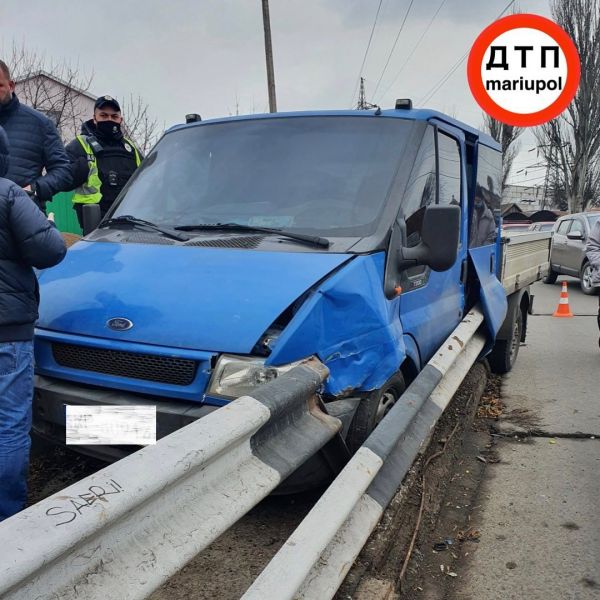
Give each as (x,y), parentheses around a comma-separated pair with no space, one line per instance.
(567,254)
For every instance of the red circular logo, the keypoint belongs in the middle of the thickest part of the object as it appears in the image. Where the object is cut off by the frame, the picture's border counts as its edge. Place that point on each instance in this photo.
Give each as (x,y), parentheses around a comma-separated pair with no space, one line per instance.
(523,70)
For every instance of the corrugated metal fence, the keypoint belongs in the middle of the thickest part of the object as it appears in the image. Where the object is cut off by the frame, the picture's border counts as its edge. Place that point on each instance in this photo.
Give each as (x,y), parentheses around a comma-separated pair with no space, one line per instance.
(64,213)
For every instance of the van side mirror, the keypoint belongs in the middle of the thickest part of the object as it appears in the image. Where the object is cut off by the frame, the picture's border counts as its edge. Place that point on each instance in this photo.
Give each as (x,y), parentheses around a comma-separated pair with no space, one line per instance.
(91,217)
(576,235)
(440,235)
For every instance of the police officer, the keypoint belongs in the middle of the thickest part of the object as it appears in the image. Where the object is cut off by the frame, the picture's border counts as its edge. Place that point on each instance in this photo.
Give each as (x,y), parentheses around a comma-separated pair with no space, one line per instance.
(102,158)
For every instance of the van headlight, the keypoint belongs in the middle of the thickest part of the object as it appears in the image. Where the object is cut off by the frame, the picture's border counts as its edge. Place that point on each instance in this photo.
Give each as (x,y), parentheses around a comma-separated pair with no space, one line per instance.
(236,376)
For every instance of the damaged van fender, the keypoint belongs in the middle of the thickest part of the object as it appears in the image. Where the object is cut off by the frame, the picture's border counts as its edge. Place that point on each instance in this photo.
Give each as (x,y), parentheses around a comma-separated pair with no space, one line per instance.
(349,324)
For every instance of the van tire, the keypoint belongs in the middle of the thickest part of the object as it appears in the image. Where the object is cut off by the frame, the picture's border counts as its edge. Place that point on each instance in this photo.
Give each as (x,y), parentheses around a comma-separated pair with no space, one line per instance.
(504,354)
(551,277)
(372,408)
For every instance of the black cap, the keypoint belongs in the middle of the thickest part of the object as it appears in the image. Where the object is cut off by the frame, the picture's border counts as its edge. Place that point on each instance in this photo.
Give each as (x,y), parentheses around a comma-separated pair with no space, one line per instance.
(107,101)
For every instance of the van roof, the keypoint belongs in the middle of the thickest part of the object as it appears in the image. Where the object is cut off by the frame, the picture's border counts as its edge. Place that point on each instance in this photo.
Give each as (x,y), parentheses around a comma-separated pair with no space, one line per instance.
(418,114)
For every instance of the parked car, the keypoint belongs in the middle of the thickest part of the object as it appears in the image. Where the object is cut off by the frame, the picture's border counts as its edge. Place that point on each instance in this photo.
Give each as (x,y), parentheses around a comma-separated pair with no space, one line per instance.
(567,254)
(542,226)
(515,227)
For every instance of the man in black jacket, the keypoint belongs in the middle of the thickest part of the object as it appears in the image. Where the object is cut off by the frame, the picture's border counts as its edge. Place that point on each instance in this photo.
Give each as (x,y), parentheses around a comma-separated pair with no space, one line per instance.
(27,239)
(102,158)
(593,254)
(35,145)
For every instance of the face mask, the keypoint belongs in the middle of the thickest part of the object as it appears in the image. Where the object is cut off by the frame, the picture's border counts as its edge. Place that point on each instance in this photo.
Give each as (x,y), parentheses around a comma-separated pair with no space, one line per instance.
(108,128)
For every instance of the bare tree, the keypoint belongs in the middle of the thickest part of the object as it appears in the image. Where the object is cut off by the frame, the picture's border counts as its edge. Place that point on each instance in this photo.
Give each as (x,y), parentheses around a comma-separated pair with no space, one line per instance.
(52,87)
(571,142)
(506,136)
(56,88)
(140,125)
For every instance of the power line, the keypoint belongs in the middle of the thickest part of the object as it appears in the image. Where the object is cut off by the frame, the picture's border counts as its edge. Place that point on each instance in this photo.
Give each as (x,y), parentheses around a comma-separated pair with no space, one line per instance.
(393,47)
(360,71)
(438,85)
(539,178)
(435,89)
(414,48)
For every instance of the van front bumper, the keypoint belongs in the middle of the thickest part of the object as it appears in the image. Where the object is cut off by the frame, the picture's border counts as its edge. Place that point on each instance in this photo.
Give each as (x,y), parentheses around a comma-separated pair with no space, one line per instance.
(52,395)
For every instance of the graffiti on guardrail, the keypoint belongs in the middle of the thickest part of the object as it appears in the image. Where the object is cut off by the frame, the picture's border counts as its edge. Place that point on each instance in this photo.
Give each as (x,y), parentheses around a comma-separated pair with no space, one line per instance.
(74,505)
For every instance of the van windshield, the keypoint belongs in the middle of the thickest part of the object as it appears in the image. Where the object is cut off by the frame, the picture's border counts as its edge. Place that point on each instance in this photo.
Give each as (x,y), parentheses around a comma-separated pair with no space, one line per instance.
(324,175)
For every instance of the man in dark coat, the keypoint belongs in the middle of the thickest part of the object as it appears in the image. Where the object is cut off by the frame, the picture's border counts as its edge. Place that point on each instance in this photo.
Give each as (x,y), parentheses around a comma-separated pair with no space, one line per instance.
(34,145)
(27,239)
(593,254)
(102,158)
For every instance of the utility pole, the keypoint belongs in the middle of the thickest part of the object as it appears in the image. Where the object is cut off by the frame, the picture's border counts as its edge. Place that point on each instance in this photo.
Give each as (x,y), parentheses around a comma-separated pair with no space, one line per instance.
(269,57)
(547,179)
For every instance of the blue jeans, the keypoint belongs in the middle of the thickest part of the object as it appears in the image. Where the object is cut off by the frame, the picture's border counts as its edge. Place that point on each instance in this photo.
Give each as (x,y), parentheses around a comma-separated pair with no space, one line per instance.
(16,394)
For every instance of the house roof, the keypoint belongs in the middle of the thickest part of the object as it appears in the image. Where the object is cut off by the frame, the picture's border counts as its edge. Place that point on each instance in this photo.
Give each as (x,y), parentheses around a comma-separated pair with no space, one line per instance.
(513,207)
(58,80)
(543,215)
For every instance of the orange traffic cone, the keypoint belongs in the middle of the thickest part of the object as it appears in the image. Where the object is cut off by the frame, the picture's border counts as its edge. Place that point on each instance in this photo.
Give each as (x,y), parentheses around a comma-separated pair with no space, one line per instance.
(563,309)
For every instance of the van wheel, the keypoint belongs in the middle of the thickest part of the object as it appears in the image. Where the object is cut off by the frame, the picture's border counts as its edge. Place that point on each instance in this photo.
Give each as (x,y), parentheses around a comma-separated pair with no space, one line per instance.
(372,409)
(550,277)
(585,280)
(504,354)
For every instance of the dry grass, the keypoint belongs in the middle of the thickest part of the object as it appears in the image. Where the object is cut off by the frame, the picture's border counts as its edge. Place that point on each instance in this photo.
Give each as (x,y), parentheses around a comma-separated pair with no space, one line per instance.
(490,405)
(70,238)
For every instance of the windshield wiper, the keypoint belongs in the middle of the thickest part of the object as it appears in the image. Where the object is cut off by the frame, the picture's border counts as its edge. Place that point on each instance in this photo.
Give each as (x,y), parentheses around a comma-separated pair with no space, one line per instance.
(310,239)
(134,221)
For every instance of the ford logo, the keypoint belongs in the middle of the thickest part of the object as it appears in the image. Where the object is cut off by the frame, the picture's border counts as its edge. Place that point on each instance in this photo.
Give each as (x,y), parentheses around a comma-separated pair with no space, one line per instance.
(119,324)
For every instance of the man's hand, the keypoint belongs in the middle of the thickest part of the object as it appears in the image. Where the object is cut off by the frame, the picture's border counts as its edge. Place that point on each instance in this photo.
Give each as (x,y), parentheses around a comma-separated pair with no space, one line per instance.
(51,217)
(27,188)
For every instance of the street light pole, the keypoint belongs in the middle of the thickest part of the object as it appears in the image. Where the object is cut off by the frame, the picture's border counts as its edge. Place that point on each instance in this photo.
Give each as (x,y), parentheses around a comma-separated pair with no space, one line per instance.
(269,57)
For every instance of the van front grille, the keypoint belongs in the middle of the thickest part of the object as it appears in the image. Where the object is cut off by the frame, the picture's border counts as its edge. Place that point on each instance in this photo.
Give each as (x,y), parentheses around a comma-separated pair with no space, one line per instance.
(149,367)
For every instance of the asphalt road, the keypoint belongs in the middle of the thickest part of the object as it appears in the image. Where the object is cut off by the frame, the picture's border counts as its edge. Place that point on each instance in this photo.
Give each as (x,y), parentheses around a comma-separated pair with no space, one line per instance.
(558,370)
(540,532)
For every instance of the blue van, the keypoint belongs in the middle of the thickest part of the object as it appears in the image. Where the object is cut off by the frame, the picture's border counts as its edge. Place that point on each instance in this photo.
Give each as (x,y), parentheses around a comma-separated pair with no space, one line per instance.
(245,245)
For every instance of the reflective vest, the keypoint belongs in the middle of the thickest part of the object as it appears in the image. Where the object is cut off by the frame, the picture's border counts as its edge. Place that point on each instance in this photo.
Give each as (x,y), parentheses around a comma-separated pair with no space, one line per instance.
(89,192)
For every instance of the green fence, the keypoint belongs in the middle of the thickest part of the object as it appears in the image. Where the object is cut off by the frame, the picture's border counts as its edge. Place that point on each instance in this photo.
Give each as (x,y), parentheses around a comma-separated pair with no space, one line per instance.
(64,213)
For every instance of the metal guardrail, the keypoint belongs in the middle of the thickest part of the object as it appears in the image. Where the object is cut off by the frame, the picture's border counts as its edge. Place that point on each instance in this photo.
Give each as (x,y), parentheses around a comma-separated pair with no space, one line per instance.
(123,531)
(317,556)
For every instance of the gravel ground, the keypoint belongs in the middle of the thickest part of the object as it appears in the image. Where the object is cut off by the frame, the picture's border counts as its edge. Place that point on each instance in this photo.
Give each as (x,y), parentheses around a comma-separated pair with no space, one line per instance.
(54,468)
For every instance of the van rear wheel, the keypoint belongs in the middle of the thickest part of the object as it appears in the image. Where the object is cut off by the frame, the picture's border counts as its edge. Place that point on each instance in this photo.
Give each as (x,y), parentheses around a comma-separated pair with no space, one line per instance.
(504,354)
(372,409)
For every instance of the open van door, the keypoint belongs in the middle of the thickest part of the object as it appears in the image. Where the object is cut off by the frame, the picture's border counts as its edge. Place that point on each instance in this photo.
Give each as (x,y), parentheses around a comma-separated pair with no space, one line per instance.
(485,233)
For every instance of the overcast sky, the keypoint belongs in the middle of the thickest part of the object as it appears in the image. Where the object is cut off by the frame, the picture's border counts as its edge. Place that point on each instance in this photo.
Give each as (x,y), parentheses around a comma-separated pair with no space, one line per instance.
(207,56)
